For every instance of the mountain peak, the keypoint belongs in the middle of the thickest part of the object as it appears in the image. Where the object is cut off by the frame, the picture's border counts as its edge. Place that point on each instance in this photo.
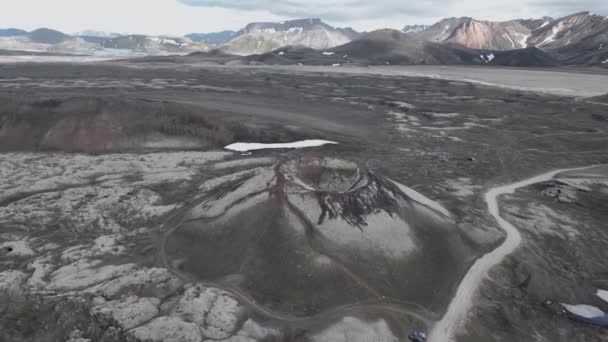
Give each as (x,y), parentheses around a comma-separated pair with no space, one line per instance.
(48,36)
(414,28)
(262,37)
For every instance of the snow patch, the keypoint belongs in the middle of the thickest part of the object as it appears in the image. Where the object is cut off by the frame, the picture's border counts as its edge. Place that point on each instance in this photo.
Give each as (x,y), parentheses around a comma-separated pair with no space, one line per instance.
(524,40)
(170,42)
(244,147)
(605,62)
(445,30)
(487,57)
(327,53)
(603,294)
(551,37)
(586,311)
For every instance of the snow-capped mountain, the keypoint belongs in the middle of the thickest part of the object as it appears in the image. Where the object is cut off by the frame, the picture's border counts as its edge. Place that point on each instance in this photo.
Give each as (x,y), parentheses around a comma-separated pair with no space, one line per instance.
(545,33)
(257,38)
(414,28)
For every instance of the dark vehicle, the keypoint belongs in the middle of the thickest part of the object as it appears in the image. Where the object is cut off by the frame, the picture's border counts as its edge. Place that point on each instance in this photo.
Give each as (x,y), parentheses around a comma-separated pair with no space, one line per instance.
(417,336)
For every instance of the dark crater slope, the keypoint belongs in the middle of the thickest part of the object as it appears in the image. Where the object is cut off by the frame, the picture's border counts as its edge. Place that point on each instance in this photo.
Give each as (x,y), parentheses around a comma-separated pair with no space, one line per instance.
(113,124)
(312,234)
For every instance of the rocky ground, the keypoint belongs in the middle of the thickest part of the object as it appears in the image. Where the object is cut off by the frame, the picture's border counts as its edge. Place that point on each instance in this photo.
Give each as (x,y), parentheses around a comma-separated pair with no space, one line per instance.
(122,217)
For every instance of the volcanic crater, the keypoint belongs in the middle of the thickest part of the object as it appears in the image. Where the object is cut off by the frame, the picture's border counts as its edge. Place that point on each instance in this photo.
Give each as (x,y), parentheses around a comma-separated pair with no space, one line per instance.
(310,234)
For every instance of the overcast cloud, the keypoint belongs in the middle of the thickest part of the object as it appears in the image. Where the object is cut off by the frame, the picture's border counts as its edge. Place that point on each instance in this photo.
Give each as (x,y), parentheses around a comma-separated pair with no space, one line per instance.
(178,17)
(354,10)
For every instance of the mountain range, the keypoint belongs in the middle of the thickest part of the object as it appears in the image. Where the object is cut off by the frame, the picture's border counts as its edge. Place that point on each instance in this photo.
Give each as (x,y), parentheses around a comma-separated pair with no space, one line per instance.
(577,39)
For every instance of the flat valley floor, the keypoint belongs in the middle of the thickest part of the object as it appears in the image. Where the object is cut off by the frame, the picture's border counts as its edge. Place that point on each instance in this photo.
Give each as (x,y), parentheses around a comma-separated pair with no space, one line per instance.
(123,218)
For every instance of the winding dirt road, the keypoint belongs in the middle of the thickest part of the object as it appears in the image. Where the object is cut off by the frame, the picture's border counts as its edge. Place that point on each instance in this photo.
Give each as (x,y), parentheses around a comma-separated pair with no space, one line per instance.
(462,302)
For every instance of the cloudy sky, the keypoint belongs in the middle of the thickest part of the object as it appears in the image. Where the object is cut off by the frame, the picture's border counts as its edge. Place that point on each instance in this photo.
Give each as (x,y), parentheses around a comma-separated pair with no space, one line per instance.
(178,17)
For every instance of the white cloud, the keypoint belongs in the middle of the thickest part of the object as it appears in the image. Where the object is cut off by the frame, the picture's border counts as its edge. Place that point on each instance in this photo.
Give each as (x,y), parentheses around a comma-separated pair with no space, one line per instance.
(355,10)
(175,17)
(129,16)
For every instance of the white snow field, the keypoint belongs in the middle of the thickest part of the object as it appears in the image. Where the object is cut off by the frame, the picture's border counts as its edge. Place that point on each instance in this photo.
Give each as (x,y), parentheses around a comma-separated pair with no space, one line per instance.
(245,147)
(603,294)
(582,310)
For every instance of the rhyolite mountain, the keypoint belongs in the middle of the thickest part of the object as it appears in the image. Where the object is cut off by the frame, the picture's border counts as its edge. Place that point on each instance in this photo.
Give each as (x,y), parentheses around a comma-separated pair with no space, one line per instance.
(258,38)
(577,39)
(477,34)
(440,31)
